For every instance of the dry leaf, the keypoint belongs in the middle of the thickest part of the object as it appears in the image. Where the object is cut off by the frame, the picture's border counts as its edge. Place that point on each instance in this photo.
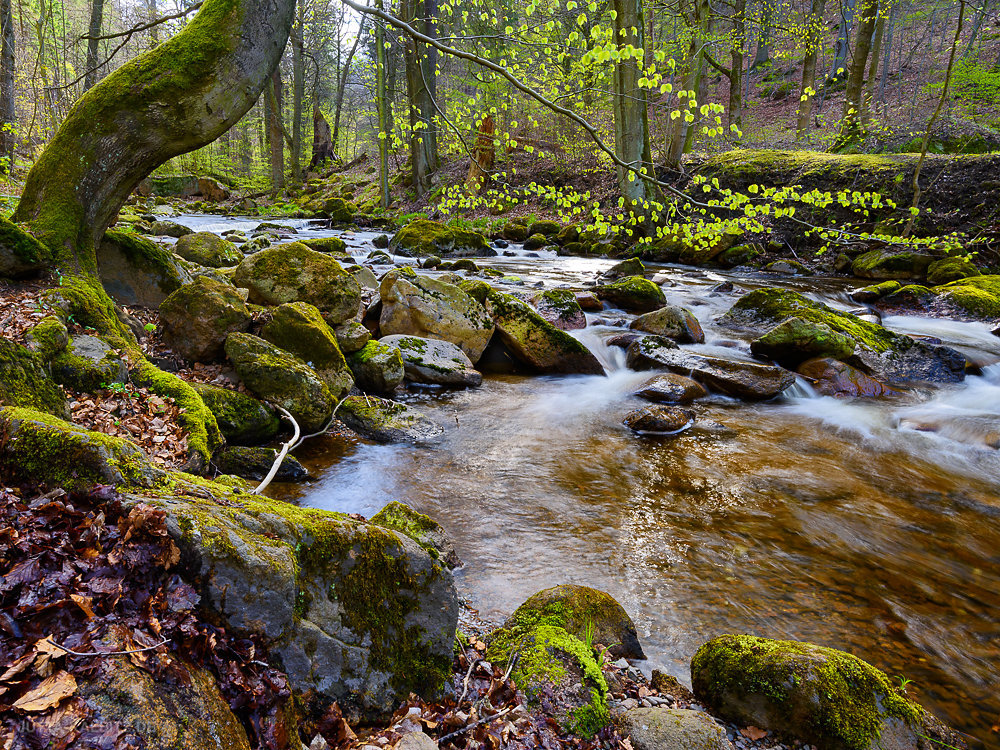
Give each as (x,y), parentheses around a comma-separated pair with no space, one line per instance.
(49,693)
(754,733)
(84,602)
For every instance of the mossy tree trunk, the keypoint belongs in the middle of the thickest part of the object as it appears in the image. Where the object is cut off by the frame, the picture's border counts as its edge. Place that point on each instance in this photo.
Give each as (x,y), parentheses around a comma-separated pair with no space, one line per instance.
(814,41)
(8,115)
(180,96)
(631,109)
(851,127)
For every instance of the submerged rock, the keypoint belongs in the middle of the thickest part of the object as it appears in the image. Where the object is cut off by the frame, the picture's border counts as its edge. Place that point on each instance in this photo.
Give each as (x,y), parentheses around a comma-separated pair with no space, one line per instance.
(24,382)
(198,317)
(671,388)
(377,367)
(677,323)
(434,362)
(662,728)
(831,377)
(826,697)
(208,249)
(633,293)
(386,421)
(242,419)
(658,419)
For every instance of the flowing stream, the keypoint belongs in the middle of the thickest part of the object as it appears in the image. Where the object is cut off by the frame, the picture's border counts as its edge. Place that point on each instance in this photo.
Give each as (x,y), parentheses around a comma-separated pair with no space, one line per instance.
(870,526)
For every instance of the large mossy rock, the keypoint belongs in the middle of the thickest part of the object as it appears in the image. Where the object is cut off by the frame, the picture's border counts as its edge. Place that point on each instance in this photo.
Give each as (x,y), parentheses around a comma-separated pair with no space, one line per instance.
(662,728)
(417,305)
(746,380)
(632,293)
(377,367)
(535,341)
(20,253)
(424,530)
(884,264)
(330,245)
(434,362)
(672,321)
(888,356)
(977,297)
(198,317)
(167,228)
(299,328)
(584,612)
(561,308)
(254,462)
(351,611)
(294,273)
(819,695)
(37,447)
(137,271)
(795,340)
(423,237)
(24,382)
(950,269)
(243,420)
(281,378)
(88,364)
(208,249)
(49,337)
(386,421)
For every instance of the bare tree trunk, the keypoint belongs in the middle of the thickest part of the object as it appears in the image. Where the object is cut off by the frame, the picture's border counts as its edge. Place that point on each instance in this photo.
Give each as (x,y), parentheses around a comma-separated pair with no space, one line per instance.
(322,141)
(631,111)
(888,55)
(851,130)
(384,108)
(482,157)
(869,93)
(763,56)
(342,88)
(808,90)
(298,91)
(96,17)
(692,79)
(8,112)
(735,116)
(423,142)
(839,65)
(276,144)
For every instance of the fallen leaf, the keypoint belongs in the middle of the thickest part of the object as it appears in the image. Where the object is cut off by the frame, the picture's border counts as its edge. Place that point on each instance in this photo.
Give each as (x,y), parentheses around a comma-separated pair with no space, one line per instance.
(48,694)
(754,733)
(85,603)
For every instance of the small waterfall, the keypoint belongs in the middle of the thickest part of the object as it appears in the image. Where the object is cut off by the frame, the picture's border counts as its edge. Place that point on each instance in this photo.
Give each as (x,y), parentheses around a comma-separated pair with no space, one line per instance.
(801,388)
(612,358)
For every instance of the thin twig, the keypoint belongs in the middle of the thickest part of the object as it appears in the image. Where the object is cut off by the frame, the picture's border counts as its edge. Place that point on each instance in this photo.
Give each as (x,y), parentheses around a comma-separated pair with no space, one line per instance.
(465,682)
(467,727)
(164,642)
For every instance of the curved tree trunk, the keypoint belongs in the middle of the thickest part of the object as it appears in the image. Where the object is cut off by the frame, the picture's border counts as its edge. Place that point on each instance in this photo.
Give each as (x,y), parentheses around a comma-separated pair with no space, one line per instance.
(171,100)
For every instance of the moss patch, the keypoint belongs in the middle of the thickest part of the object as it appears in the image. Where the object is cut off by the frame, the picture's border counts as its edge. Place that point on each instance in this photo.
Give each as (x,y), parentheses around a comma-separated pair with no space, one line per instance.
(24,382)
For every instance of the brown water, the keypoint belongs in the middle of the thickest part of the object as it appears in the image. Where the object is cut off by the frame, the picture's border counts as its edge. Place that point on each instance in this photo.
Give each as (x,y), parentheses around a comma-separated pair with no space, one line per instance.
(808,518)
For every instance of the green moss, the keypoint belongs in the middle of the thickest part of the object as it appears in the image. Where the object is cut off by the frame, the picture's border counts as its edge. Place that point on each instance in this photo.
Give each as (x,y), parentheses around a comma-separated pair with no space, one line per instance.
(144,253)
(880,264)
(48,338)
(241,418)
(332,245)
(478,289)
(24,383)
(423,237)
(405,520)
(978,296)
(24,248)
(86,374)
(950,269)
(850,696)
(633,293)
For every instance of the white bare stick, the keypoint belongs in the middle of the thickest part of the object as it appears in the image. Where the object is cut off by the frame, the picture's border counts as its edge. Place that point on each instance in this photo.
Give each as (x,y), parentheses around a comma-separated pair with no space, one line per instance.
(281,455)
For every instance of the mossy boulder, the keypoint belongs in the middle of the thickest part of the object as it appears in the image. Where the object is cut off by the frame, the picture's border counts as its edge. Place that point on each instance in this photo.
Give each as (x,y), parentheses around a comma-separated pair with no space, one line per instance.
(434,362)
(819,695)
(198,317)
(417,305)
(911,296)
(352,336)
(672,321)
(950,269)
(545,227)
(38,447)
(336,209)
(208,249)
(386,421)
(693,245)
(568,234)
(671,388)
(633,293)
(465,264)
(298,327)
(424,237)
(331,245)
(25,383)
(536,242)
(624,268)
(256,244)
(514,231)
(788,268)
(255,462)
(536,342)
(739,255)
(660,728)
(20,253)
(888,356)
(167,228)
(424,530)
(351,611)
(580,610)
(48,338)
(242,419)
(560,307)
(377,367)
(136,271)
(831,377)
(478,289)
(281,378)
(88,364)
(976,297)
(794,340)
(885,264)
(294,273)
(874,292)
(745,380)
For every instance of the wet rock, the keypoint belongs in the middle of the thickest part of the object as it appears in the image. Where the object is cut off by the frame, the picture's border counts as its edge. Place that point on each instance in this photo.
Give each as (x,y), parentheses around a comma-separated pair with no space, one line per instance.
(386,421)
(910,297)
(514,231)
(208,249)
(801,690)
(165,228)
(423,237)
(674,728)
(431,261)
(255,463)
(429,308)
(976,297)
(588,301)
(658,419)
(136,271)
(788,268)
(88,364)
(677,323)
(20,253)
(723,287)
(242,419)
(25,383)
(633,293)
(434,362)
(298,327)
(37,447)
(198,317)
(795,340)
(380,241)
(831,377)
(885,264)
(740,379)
(671,388)
(501,244)
(561,308)
(329,245)
(535,341)
(377,367)
(624,340)
(629,267)
(352,336)
(535,242)
(950,269)
(294,273)
(424,530)
(875,292)
(281,378)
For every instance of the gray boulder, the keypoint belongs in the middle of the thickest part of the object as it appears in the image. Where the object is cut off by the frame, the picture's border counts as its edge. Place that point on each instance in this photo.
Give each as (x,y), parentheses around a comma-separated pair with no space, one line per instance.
(663,728)
(88,364)
(137,271)
(377,367)
(434,362)
(386,421)
(677,323)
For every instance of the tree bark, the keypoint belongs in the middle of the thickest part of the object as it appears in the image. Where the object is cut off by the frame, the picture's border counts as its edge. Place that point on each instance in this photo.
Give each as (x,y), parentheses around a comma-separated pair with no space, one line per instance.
(631,110)
(298,91)
(419,78)
(384,107)
(851,129)
(8,112)
(171,100)
(692,79)
(843,41)
(276,145)
(808,90)
(763,55)
(322,141)
(342,88)
(735,116)
(869,85)
(94,31)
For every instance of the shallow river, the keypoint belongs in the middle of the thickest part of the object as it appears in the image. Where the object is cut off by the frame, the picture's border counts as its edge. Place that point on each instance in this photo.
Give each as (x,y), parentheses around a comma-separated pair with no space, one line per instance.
(825,520)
